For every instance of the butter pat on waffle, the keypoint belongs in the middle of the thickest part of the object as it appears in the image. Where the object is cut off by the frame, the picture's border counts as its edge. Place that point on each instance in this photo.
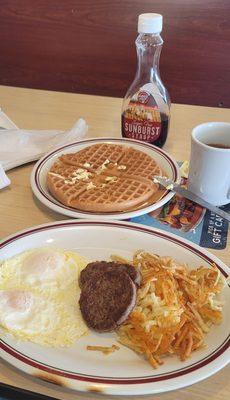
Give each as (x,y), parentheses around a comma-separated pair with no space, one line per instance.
(104,178)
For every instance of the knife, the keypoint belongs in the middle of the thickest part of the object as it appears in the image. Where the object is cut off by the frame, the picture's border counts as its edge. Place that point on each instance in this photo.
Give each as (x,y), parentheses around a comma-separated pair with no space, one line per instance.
(174,187)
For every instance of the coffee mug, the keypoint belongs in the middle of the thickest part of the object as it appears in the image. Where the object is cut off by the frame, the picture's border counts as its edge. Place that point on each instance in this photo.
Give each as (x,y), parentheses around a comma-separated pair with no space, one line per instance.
(209,171)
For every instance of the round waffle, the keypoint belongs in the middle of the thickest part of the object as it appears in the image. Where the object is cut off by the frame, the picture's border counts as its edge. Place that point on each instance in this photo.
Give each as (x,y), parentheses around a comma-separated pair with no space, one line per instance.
(104,178)
(95,155)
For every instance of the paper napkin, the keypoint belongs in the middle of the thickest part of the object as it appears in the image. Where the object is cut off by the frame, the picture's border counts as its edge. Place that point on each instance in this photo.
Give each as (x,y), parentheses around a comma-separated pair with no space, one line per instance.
(19,146)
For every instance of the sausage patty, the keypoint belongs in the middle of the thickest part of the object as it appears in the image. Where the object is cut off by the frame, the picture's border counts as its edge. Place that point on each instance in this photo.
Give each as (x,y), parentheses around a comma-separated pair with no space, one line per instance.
(107,298)
(94,268)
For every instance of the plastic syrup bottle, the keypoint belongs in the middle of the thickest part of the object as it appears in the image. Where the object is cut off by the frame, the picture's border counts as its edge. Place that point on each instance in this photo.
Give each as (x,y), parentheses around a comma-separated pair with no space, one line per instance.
(146,106)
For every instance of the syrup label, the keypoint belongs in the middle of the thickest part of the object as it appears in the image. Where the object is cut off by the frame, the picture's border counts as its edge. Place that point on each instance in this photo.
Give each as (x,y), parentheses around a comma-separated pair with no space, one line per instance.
(142,119)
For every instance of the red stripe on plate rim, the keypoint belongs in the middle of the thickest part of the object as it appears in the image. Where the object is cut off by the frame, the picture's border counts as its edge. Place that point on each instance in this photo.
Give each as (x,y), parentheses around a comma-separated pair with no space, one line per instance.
(161,377)
(43,161)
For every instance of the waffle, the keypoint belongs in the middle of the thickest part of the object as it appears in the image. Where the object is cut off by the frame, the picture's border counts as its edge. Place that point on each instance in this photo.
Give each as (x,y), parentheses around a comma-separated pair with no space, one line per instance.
(61,184)
(104,178)
(123,194)
(95,155)
(140,164)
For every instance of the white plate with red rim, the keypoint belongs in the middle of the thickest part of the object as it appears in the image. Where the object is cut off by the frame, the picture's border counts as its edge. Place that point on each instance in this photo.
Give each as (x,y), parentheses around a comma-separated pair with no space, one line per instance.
(41,168)
(122,372)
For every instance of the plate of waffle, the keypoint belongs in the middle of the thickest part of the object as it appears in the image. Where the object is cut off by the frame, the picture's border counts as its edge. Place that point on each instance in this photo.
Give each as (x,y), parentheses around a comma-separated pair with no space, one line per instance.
(104,177)
(112,307)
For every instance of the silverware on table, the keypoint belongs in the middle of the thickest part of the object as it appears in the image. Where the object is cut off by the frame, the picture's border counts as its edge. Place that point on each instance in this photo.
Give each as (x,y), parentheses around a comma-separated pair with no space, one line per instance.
(174,187)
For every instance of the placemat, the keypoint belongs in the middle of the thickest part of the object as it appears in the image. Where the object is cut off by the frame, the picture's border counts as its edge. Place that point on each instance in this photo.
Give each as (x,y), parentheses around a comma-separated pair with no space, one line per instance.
(190,221)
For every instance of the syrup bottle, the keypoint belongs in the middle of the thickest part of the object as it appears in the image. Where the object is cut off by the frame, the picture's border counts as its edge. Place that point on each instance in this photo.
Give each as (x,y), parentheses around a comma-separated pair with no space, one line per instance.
(146,106)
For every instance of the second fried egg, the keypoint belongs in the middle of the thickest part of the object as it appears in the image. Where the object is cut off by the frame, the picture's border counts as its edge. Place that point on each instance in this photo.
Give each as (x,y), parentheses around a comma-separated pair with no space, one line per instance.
(39,295)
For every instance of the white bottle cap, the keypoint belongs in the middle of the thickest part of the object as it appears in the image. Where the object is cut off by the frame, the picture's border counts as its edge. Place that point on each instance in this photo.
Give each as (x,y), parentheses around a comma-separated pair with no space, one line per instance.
(150,23)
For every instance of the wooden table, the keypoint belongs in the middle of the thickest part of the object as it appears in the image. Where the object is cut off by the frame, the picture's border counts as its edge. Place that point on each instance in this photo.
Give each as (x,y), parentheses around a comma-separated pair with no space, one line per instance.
(36,109)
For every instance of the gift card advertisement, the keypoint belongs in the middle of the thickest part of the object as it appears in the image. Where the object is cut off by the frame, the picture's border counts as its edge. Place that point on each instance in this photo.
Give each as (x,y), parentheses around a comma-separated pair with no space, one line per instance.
(190,221)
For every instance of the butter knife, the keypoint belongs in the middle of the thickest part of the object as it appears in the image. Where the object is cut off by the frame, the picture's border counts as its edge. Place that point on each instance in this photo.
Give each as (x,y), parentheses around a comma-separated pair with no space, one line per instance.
(174,187)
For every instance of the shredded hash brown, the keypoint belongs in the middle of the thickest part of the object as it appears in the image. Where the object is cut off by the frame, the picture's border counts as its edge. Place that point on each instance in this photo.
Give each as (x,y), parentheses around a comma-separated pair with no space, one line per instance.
(104,349)
(175,308)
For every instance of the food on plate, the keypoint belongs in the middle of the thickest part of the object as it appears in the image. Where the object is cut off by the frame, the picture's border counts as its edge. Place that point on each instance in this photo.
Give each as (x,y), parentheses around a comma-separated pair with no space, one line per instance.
(156,306)
(39,294)
(174,310)
(94,270)
(41,268)
(108,295)
(184,169)
(104,178)
(104,349)
(50,320)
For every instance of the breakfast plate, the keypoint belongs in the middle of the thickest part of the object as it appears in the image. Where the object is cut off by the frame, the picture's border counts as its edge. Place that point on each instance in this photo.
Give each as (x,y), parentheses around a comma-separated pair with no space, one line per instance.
(122,372)
(40,189)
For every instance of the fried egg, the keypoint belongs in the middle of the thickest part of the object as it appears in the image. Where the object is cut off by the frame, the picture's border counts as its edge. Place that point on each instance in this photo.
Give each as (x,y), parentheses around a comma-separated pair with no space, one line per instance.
(44,268)
(50,321)
(39,295)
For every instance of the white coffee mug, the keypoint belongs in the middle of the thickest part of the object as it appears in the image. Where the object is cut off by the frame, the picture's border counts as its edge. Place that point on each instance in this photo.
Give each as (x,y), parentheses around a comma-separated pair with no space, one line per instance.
(209,171)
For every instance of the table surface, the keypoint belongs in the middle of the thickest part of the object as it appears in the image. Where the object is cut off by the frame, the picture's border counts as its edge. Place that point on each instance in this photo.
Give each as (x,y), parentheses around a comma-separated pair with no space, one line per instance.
(37,109)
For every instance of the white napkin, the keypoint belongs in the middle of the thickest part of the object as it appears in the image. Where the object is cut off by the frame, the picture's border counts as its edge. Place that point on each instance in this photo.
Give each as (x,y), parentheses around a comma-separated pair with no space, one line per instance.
(18,146)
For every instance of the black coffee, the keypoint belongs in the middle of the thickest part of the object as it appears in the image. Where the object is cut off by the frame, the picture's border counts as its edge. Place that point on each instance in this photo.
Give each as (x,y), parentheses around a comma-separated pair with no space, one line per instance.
(218,145)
